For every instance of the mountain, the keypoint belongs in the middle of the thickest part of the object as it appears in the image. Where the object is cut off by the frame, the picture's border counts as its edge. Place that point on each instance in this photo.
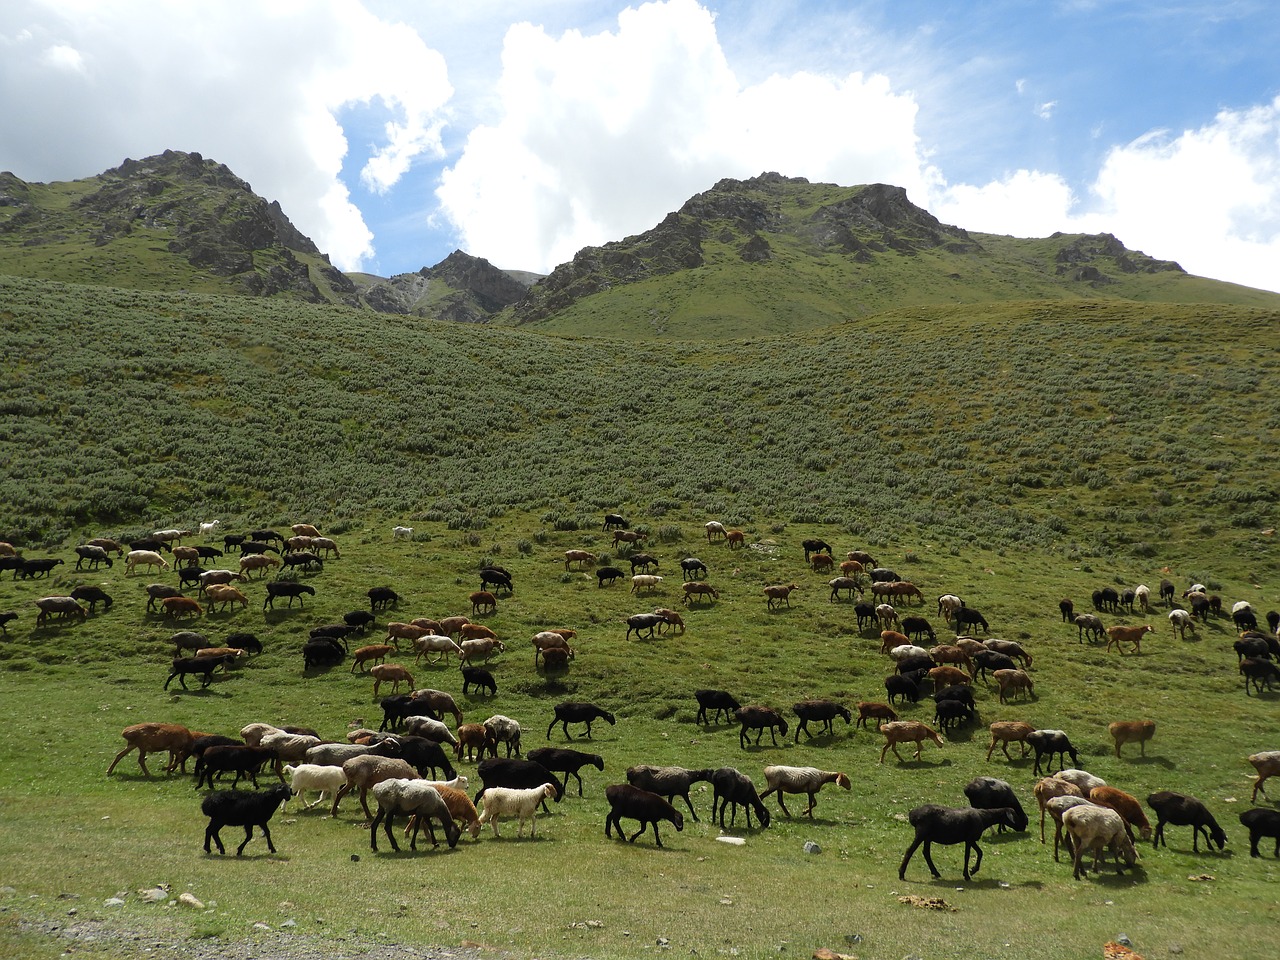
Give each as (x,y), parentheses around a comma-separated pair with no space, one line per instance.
(775,254)
(460,287)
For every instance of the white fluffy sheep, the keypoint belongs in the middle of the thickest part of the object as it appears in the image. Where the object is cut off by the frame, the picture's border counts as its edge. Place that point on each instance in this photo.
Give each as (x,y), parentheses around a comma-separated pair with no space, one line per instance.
(806,780)
(1057,806)
(501,802)
(311,776)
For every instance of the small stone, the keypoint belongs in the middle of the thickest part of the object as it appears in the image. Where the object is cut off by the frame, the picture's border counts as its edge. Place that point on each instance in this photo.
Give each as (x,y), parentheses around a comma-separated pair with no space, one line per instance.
(1175,948)
(663,942)
(811,847)
(289,923)
(355,858)
(261,926)
(1123,940)
(154,894)
(190,900)
(113,902)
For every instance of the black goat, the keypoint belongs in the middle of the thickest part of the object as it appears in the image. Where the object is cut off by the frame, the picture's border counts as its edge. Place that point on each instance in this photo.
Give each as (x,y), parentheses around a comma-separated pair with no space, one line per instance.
(633,803)
(991,793)
(669,782)
(241,808)
(950,825)
(572,711)
(759,719)
(815,546)
(286,588)
(1260,823)
(567,762)
(1184,811)
(733,787)
(721,701)
(819,711)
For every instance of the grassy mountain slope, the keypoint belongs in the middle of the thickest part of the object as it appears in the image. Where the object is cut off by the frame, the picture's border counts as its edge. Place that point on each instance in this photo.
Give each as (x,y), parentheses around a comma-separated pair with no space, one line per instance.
(1083,427)
(772,254)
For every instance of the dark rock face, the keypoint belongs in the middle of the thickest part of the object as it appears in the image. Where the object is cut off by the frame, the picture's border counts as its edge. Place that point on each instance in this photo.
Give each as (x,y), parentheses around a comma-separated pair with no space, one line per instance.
(1087,258)
(461,288)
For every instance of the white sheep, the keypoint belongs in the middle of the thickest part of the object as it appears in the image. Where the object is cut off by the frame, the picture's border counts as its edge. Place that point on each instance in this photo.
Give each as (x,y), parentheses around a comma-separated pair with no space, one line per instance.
(1142,594)
(437,730)
(886,614)
(402,533)
(481,648)
(253,733)
(434,643)
(503,729)
(1097,828)
(905,650)
(645,581)
(1057,806)
(207,527)
(806,780)
(311,776)
(509,802)
(1180,620)
(1083,779)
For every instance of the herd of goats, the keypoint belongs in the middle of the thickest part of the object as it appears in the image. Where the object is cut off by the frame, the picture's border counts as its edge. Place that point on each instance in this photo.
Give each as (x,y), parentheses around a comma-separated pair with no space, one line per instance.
(398,766)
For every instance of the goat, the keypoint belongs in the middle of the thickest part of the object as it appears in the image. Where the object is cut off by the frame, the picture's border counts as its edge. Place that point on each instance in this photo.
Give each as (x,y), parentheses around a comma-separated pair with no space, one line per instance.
(566,761)
(819,711)
(1267,764)
(578,712)
(634,803)
(1132,731)
(951,825)
(1184,811)
(1005,732)
(720,701)
(779,593)
(242,808)
(732,787)
(759,719)
(907,731)
(1121,635)
(152,738)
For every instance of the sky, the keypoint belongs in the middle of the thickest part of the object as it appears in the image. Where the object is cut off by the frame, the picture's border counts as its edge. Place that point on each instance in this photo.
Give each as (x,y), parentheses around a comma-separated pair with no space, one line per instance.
(393,132)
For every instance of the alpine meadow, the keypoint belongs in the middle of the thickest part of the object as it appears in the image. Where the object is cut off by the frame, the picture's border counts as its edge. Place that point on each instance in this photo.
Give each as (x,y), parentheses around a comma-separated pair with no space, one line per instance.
(1009,422)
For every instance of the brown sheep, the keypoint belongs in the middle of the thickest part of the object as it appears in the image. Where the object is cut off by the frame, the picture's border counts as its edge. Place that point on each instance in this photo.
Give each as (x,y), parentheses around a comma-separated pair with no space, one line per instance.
(178,607)
(944,677)
(376,652)
(868,710)
(258,561)
(483,601)
(473,737)
(1122,635)
(779,593)
(394,672)
(152,738)
(1045,790)
(1013,682)
(1125,804)
(580,557)
(1132,731)
(476,631)
(1005,732)
(735,539)
(907,731)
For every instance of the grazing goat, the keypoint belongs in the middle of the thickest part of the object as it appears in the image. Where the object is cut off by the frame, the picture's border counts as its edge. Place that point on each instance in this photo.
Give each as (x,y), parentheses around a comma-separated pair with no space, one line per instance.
(950,825)
(1096,828)
(759,719)
(806,780)
(1184,811)
(720,701)
(1123,635)
(578,712)
(907,731)
(1132,731)
(1261,823)
(634,803)
(819,711)
(580,557)
(242,808)
(732,787)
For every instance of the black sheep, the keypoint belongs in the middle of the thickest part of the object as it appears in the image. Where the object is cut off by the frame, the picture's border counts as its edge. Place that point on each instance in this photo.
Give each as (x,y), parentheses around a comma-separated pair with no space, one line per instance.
(918,627)
(568,762)
(721,701)
(614,521)
(426,756)
(866,614)
(93,596)
(731,786)
(694,569)
(322,652)
(182,666)
(359,619)
(1184,811)
(1048,742)
(245,760)
(241,808)
(1260,823)
(647,622)
(286,588)
(40,567)
(257,546)
(208,553)
(759,719)
(819,711)
(301,559)
(87,553)
(480,678)
(989,661)
(949,825)
(244,641)
(952,713)
(497,577)
(1273,621)
(200,744)
(380,598)
(901,685)
(815,546)
(636,804)
(968,617)
(991,793)
(642,562)
(337,632)
(1068,610)
(578,712)
(5,619)
(668,782)
(517,773)
(1258,672)
(609,574)
(921,662)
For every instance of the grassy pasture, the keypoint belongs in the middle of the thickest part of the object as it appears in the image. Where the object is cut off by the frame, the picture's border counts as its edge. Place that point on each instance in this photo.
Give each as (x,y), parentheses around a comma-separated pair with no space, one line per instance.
(1012,454)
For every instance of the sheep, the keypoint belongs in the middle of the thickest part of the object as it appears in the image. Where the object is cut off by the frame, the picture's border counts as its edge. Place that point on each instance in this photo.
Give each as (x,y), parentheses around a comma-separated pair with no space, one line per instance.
(1013,681)
(885,614)
(578,712)
(153,737)
(866,616)
(460,807)
(967,617)
(327,545)
(436,702)
(1142,594)
(5,619)
(92,555)
(482,601)
(580,557)
(950,825)
(506,731)
(61,607)
(245,760)
(336,754)
(35,569)
(950,654)
(719,701)
(692,567)
(425,756)
(819,711)
(869,710)
(901,651)
(902,685)
(242,808)
(106,543)
(414,798)
(643,622)
(779,593)
(1132,731)
(401,533)
(220,578)
(358,619)
(182,667)
(989,793)
(716,530)
(645,581)
(322,652)
(614,521)
(397,631)
(258,561)
(642,562)
(668,782)
(1180,621)
(1056,807)
(286,588)
(943,677)
(301,559)
(1049,788)
(1093,828)
(1010,648)
(567,762)
(394,672)
(1122,635)
(605,576)
(1125,804)
(381,598)
(430,729)
(472,737)
(376,652)
(1258,672)
(519,803)
(1090,624)
(759,718)
(806,780)
(480,678)
(428,643)
(1261,823)
(547,640)
(225,594)
(362,773)
(645,806)
(671,618)
(730,786)
(948,604)
(1048,742)
(1005,732)
(482,649)
(310,776)
(1184,811)
(849,584)
(951,713)
(907,731)
(697,589)
(1267,764)
(521,774)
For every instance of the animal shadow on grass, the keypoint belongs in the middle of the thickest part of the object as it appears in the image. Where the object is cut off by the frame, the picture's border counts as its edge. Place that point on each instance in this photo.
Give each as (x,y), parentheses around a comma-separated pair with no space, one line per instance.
(1142,761)
(922,764)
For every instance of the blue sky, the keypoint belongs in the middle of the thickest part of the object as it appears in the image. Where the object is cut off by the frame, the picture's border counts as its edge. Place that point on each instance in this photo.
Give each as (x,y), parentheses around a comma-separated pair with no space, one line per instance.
(394,132)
